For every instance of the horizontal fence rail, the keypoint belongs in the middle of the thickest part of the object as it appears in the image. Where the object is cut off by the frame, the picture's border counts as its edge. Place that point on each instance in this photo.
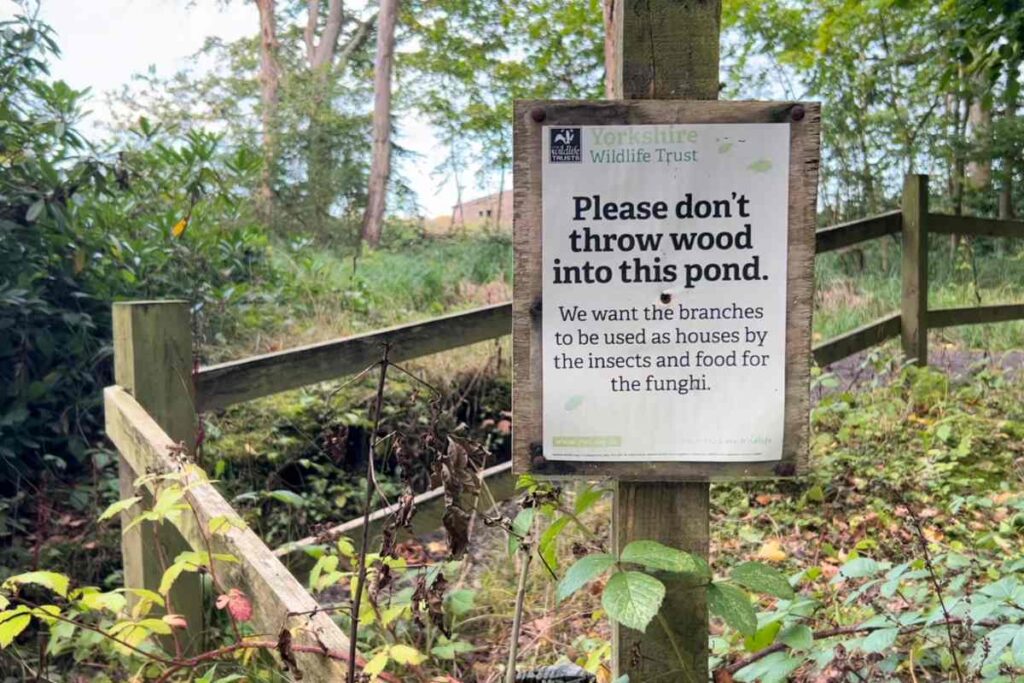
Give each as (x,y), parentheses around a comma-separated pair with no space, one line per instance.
(854,232)
(945,224)
(975,315)
(243,380)
(857,340)
(428,518)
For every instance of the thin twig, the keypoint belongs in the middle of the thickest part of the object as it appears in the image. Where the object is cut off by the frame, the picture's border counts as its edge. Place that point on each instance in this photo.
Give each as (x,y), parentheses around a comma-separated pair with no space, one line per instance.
(847,631)
(168,606)
(517,620)
(373,468)
(938,592)
(417,378)
(357,599)
(334,392)
(216,655)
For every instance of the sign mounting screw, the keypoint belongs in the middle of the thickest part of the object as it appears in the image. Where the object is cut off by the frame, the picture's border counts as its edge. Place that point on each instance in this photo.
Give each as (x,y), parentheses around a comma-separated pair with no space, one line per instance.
(538,114)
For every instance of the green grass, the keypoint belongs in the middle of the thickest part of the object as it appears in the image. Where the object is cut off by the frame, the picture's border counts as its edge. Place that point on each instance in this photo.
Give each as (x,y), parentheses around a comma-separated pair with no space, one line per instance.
(320,294)
(847,296)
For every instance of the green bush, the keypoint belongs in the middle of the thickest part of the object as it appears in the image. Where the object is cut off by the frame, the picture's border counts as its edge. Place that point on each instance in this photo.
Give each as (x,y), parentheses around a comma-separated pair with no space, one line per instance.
(81,227)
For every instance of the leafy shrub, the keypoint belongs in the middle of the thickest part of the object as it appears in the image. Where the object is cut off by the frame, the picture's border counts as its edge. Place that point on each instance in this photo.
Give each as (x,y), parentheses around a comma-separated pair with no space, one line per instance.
(81,227)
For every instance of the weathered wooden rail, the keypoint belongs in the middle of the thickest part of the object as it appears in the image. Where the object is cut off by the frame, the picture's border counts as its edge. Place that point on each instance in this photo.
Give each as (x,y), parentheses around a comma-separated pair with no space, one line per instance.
(153,410)
(243,380)
(911,323)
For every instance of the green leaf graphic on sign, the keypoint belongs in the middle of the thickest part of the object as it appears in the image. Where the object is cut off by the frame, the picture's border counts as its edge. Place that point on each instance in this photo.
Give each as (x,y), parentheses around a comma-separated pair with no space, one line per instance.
(633,598)
(724,147)
(760,166)
(574,402)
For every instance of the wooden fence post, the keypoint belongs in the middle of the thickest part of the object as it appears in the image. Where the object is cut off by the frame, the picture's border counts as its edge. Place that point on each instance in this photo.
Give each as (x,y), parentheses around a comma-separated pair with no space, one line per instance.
(914,307)
(153,362)
(669,50)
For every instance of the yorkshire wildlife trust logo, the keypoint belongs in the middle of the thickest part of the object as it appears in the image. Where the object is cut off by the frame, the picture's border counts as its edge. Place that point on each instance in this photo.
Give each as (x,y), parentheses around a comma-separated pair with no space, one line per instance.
(566,145)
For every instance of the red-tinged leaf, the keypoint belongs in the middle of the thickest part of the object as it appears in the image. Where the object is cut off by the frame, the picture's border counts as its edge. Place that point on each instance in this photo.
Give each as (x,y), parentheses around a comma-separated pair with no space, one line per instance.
(175,621)
(237,605)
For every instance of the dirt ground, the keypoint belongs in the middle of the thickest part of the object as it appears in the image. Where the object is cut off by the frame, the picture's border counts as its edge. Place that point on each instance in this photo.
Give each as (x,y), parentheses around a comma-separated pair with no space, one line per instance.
(858,371)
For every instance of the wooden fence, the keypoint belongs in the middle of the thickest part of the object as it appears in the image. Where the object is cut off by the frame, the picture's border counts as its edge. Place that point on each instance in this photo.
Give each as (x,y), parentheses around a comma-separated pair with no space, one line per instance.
(151,413)
(911,323)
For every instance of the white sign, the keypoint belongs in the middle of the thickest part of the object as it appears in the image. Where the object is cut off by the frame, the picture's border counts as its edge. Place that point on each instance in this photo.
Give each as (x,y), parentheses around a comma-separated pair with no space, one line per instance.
(664,292)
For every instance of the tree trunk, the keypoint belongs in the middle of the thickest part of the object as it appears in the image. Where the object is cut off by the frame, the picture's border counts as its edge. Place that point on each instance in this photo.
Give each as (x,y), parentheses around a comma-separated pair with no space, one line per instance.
(1006,210)
(870,205)
(270,77)
(961,101)
(501,200)
(380,163)
(612,55)
(979,169)
(320,56)
(320,190)
(453,160)
(321,53)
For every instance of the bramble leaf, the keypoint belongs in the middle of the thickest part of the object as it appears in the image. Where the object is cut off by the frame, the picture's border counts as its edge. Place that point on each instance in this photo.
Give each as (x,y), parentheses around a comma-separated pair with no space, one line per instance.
(733,605)
(288,497)
(171,575)
(237,604)
(377,664)
(880,640)
(798,637)
(764,637)
(12,623)
(858,568)
(582,572)
(633,599)
(406,654)
(520,527)
(448,649)
(775,668)
(761,578)
(658,556)
(460,602)
(58,583)
(586,499)
(118,507)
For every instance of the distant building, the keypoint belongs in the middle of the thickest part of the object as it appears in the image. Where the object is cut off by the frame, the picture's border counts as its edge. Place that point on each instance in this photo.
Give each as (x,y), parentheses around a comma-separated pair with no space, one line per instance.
(492,211)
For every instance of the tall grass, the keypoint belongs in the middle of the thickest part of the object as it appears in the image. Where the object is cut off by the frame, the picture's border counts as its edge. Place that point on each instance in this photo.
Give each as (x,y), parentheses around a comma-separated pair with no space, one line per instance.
(851,291)
(323,294)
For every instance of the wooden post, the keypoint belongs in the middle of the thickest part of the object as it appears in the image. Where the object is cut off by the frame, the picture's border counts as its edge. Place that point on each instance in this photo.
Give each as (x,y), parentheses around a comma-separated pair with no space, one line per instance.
(153,362)
(914,307)
(669,50)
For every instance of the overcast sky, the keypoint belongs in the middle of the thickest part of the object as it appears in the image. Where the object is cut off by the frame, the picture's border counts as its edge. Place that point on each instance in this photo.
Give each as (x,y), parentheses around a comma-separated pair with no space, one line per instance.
(104,42)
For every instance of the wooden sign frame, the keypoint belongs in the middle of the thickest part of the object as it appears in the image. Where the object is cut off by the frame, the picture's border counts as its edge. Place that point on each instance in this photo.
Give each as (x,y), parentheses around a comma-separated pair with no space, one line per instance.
(531,116)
